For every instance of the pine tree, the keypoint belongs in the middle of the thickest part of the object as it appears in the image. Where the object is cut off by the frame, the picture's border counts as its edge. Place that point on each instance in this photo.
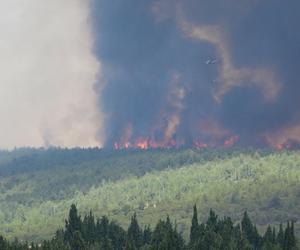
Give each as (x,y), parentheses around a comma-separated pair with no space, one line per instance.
(77,242)
(73,224)
(57,243)
(129,246)
(289,237)
(89,228)
(134,233)
(166,237)
(3,243)
(212,221)
(268,237)
(274,236)
(194,233)
(280,237)
(226,231)
(117,235)
(147,234)
(293,238)
(106,244)
(250,231)
(102,229)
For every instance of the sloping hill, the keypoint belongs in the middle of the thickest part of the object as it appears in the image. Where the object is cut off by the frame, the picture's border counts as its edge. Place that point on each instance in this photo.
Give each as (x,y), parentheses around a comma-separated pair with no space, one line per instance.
(38,186)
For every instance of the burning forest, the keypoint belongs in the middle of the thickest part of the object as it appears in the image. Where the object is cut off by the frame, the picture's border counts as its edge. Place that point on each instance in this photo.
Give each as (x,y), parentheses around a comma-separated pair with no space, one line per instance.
(199,73)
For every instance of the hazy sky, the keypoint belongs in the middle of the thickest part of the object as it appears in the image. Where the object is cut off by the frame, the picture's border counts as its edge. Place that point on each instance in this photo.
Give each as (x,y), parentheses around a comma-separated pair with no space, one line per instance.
(47,74)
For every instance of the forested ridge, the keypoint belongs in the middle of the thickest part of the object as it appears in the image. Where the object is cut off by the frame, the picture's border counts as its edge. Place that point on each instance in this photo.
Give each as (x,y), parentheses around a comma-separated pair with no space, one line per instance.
(38,186)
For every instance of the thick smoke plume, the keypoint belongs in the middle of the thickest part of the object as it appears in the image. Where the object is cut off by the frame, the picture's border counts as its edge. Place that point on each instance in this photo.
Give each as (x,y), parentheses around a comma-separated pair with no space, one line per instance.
(47,74)
(199,72)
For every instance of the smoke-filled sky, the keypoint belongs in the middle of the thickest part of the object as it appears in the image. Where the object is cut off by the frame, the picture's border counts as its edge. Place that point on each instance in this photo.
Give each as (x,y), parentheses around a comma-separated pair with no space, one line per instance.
(160,72)
(47,75)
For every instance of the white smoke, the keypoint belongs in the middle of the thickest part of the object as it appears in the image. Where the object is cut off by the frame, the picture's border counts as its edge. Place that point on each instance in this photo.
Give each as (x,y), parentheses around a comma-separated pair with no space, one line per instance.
(47,74)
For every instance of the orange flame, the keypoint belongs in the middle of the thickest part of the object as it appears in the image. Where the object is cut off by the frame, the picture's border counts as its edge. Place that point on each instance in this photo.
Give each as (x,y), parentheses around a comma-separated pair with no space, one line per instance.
(200,144)
(142,144)
(231,141)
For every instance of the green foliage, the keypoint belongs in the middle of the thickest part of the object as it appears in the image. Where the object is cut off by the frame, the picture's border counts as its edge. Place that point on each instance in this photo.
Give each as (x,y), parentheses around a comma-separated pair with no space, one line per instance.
(134,233)
(38,186)
(73,225)
(165,236)
(215,234)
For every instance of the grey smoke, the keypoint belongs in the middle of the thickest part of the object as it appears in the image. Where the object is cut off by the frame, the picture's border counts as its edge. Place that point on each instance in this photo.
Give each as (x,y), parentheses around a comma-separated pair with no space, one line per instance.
(47,74)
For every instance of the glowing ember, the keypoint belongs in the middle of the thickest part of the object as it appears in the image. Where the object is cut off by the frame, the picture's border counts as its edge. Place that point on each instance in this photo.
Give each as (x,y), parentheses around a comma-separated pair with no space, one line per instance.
(289,144)
(142,144)
(200,144)
(231,141)
(279,146)
(145,143)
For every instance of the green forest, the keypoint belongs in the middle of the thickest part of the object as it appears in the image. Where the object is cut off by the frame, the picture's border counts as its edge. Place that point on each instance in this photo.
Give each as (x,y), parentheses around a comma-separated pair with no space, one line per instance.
(217,234)
(38,186)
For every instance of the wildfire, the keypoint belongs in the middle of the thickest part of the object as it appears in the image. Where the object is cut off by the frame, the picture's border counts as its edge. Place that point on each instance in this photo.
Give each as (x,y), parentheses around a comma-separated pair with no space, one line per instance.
(209,135)
(289,144)
(126,145)
(200,144)
(145,143)
(280,146)
(166,133)
(231,141)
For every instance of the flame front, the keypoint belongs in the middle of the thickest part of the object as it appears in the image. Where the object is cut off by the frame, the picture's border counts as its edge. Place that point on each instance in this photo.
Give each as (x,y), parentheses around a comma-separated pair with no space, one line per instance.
(146,143)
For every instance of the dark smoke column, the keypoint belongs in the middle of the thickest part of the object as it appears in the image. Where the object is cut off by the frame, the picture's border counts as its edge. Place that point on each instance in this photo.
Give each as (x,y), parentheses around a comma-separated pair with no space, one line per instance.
(198,72)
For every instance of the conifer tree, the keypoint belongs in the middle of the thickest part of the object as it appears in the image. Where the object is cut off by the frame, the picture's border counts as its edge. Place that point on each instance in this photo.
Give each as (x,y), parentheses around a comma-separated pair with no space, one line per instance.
(274,236)
(89,228)
(77,242)
(194,233)
(3,243)
(73,224)
(280,236)
(102,229)
(134,233)
(117,236)
(212,221)
(250,231)
(128,246)
(293,238)
(289,237)
(147,234)
(268,236)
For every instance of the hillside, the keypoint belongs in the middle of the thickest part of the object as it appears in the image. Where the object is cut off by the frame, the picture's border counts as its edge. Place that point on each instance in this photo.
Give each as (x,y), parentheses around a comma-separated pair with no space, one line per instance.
(38,186)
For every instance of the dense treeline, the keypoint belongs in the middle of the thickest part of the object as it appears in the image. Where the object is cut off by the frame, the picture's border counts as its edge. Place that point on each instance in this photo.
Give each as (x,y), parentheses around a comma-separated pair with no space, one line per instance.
(37,186)
(64,167)
(88,233)
(28,160)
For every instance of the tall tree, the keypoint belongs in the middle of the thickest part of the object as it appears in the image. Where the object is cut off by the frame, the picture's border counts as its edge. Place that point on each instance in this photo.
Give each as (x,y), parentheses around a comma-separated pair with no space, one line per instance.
(250,231)
(134,233)
(280,236)
(147,234)
(89,228)
(194,233)
(73,224)
(77,243)
(289,237)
